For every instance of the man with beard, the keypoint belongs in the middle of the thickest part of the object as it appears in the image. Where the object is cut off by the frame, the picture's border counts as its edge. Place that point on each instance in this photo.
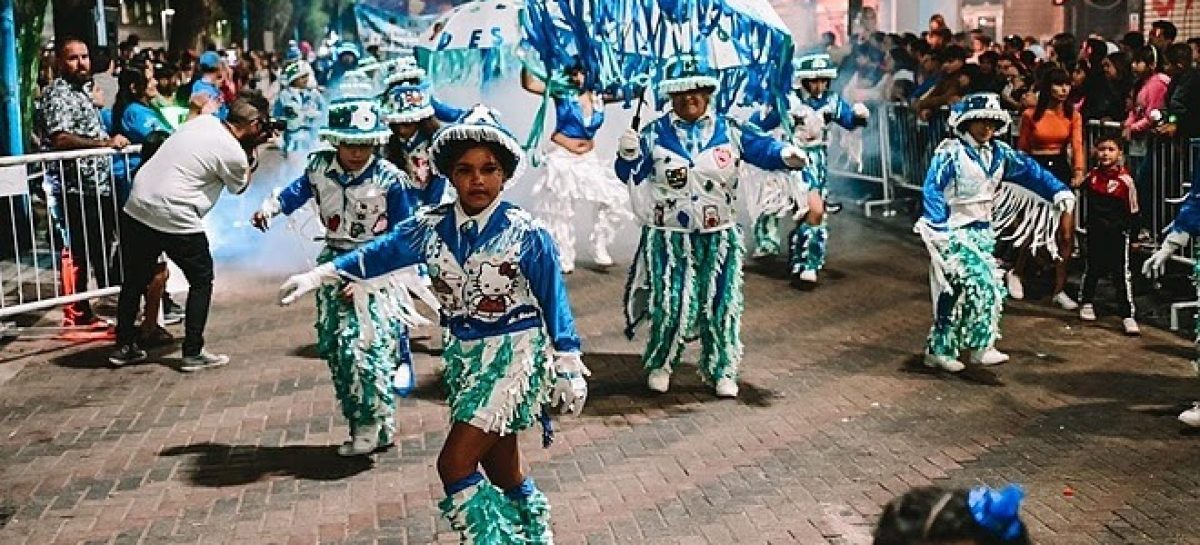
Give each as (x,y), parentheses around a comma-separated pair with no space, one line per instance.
(172,192)
(68,119)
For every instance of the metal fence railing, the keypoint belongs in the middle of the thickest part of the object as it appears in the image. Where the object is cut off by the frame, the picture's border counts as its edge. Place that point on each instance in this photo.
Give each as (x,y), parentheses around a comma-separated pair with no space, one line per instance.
(59,219)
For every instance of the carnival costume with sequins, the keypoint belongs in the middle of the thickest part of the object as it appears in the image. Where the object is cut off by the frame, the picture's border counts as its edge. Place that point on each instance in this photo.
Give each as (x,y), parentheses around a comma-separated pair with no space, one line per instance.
(301,109)
(965,205)
(409,99)
(687,273)
(507,319)
(809,243)
(572,177)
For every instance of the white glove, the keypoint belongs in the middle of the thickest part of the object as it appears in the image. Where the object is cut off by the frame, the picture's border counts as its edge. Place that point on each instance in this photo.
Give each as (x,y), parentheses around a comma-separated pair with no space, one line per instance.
(1064,202)
(860,111)
(303,283)
(1157,262)
(629,145)
(793,157)
(570,388)
(270,208)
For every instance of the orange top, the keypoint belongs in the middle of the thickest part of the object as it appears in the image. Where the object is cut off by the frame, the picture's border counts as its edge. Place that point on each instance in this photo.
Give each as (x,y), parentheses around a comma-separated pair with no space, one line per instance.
(1049,135)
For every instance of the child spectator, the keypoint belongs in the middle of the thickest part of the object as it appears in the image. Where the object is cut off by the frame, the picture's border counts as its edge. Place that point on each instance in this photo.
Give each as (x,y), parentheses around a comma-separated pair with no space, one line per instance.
(1111,205)
(929,515)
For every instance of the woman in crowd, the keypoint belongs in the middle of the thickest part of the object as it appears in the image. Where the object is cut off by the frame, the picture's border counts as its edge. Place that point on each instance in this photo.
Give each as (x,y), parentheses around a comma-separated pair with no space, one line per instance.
(1052,132)
(1149,94)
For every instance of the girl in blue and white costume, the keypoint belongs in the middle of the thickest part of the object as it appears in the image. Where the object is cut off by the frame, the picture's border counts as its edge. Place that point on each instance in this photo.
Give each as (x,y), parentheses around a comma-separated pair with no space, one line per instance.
(511,341)
(573,170)
(687,274)
(300,105)
(361,329)
(413,118)
(965,205)
(1179,234)
(809,239)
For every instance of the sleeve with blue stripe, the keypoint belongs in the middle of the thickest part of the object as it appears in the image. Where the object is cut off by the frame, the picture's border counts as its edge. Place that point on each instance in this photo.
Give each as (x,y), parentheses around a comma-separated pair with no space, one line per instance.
(398,248)
(937,178)
(768,122)
(760,150)
(1021,169)
(1188,219)
(843,114)
(402,201)
(539,263)
(295,195)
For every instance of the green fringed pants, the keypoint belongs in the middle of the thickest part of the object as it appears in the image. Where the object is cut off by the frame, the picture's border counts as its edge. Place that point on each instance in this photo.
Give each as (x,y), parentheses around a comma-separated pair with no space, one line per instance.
(362,375)
(967,311)
(498,384)
(766,235)
(694,286)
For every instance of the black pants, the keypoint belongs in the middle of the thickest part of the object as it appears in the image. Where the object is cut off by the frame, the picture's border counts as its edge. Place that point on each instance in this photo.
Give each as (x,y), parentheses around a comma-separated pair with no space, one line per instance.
(141,247)
(91,229)
(1108,256)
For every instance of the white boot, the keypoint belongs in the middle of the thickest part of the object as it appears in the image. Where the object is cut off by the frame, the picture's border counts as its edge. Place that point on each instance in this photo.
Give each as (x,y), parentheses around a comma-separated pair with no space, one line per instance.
(1016,290)
(364,441)
(659,380)
(1191,416)
(1064,301)
(945,363)
(988,356)
(600,253)
(1131,327)
(809,276)
(1087,312)
(727,387)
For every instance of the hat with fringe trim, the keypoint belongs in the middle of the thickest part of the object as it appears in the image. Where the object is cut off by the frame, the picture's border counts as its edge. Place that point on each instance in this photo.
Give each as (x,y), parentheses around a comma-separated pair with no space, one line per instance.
(356,84)
(408,103)
(347,47)
(405,71)
(816,66)
(296,70)
(686,73)
(979,106)
(480,124)
(355,121)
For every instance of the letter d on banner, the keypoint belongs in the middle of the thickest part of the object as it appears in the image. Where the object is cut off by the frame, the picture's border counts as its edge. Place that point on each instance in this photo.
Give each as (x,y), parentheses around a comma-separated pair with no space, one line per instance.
(444,40)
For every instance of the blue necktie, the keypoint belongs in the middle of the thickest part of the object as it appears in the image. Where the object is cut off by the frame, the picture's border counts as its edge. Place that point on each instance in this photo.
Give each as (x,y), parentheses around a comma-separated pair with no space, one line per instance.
(470,230)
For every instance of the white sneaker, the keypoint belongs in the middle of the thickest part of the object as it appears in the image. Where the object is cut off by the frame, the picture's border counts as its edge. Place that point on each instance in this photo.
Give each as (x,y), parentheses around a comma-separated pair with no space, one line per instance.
(1064,301)
(726,387)
(1087,312)
(364,442)
(1131,327)
(1016,289)
(809,276)
(988,356)
(568,268)
(659,380)
(1191,416)
(600,256)
(203,360)
(945,363)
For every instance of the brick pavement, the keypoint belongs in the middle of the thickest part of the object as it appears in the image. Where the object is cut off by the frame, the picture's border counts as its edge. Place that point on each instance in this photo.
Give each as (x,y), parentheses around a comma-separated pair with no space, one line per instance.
(833,420)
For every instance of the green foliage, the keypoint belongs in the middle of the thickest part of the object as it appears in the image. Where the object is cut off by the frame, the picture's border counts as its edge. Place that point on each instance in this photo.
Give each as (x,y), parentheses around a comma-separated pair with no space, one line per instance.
(30,16)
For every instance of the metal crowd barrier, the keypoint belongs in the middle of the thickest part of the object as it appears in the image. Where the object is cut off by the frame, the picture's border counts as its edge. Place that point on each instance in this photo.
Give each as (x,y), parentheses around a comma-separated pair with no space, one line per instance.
(44,205)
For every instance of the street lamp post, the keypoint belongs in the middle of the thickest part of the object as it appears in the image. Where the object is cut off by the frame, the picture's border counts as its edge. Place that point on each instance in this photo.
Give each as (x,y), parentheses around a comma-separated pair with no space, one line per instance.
(11,94)
(166,12)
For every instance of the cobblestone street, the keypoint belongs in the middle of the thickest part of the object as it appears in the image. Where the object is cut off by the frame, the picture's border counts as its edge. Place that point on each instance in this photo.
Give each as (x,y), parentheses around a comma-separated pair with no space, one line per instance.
(835,417)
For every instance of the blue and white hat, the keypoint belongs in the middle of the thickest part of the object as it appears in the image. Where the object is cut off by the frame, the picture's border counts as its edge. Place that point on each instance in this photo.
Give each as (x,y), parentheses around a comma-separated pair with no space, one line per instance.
(686,73)
(480,124)
(815,66)
(406,70)
(979,106)
(356,84)
(296,70)
(408,103)
(355,121)
(347,47)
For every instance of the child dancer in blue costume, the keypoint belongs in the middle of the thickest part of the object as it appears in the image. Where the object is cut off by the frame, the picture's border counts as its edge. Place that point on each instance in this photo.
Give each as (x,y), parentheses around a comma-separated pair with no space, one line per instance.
(574,171)
(809,239)
(1179,234)
(965,205)
(361,331)
(511,340)
(413,119)
(687,273)
(300,106)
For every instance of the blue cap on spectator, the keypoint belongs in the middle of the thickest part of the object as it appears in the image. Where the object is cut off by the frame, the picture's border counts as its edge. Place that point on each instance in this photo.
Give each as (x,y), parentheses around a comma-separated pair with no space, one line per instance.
(209,60)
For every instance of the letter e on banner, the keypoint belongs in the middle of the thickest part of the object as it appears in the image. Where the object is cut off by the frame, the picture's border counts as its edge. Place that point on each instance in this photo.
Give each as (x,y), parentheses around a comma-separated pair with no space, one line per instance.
(475,36)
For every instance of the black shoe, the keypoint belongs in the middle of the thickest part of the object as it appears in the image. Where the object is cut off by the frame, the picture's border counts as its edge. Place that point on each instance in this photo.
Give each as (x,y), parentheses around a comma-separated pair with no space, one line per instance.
(126,355)
(172,312)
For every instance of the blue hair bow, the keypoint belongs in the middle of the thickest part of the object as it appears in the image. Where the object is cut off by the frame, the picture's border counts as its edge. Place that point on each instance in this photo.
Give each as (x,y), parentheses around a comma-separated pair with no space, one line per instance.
(998,510)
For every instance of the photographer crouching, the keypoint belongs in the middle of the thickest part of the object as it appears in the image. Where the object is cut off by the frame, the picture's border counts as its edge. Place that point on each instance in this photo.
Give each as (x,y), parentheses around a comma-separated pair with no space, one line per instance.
(172,192)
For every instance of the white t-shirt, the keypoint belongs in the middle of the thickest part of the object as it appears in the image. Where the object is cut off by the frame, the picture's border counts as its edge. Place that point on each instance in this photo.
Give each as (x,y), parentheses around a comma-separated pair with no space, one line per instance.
(174,190)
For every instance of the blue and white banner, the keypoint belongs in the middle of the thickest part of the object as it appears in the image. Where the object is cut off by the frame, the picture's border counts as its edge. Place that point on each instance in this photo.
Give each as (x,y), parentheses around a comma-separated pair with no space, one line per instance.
(392,31)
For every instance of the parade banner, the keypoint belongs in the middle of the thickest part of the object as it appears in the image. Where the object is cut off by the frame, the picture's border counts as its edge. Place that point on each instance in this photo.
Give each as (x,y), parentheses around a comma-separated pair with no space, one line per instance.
(483,24)
(393,32)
